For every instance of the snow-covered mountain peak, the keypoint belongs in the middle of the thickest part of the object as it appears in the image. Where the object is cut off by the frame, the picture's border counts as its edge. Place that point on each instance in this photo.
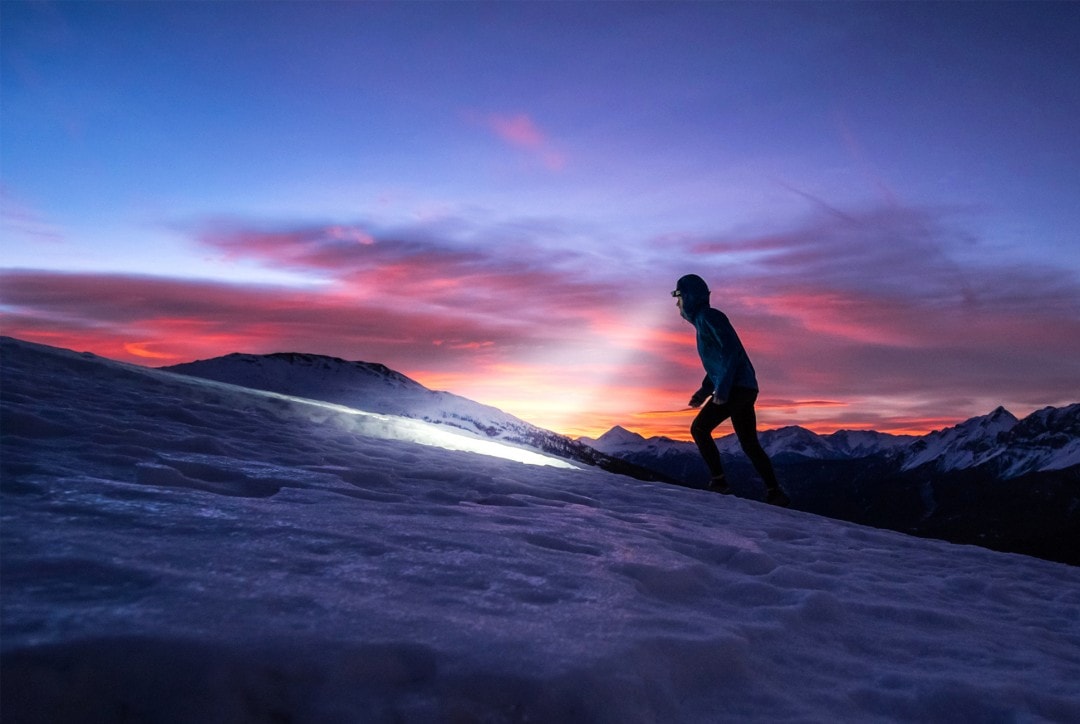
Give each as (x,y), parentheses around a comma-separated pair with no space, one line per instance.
(370,386)
(615,439)
(1060,419)
(864,443)
(1000,418)
(334,365)
(1047,439)
(796,440)
(621,434)
(966,445)
(790,440)
(377,388)
(299,371)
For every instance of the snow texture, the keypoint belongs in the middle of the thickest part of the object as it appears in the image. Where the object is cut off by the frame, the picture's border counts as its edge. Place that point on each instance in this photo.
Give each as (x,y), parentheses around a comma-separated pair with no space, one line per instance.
(179,550)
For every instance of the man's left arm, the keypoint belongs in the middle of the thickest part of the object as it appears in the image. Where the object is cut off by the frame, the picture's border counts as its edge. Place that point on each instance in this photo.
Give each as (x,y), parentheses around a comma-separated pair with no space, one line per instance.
(723,346)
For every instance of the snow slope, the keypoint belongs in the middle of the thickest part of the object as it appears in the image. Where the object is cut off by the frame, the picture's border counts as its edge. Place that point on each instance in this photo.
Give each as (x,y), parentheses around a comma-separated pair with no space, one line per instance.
(376,388)
(374,385)
(173,549)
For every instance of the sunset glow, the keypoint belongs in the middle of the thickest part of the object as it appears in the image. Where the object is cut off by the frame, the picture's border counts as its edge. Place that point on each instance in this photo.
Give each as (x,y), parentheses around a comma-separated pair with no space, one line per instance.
(503,209)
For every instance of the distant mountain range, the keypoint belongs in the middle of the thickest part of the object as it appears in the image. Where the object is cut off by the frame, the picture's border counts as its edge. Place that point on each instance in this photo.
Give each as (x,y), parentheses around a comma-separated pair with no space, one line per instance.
(1046,440)
(994,480)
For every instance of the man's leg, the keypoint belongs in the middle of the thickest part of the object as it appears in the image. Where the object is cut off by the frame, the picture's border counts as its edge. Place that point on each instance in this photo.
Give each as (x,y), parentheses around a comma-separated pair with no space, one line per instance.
(701,430)
(744,420)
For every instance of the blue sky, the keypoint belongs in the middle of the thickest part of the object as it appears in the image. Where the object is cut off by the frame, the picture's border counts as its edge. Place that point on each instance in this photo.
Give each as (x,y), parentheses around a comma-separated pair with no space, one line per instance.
(495,198)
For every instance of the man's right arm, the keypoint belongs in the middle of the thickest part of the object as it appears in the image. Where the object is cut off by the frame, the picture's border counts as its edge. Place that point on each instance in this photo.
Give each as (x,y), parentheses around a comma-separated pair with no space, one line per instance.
(702,394)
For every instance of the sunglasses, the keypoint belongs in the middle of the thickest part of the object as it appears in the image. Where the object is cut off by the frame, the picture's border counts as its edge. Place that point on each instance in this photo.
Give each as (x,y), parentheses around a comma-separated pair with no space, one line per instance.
(676,293)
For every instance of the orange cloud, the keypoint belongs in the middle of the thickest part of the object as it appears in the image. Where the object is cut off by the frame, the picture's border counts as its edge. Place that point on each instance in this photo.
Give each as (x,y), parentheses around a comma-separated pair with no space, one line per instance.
(138,349)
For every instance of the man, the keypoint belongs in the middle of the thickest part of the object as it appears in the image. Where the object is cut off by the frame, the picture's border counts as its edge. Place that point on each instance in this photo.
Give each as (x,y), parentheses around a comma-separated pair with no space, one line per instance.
(729,389)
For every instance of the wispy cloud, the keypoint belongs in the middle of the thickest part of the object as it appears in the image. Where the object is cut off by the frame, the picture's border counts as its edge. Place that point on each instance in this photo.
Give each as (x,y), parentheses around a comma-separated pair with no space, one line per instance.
(418,269)
(518,130)
(21,223)
(900,251)
(521,132)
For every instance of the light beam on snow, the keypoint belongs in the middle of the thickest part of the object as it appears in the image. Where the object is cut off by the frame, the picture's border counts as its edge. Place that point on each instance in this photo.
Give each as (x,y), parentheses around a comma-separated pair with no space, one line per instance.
(393,427)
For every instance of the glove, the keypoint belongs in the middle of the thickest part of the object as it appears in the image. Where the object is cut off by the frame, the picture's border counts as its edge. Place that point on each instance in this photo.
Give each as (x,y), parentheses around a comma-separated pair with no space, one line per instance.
(699,397)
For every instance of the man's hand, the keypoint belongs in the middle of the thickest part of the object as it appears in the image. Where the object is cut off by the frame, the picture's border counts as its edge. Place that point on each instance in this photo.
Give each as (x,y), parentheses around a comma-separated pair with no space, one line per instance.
(699,398)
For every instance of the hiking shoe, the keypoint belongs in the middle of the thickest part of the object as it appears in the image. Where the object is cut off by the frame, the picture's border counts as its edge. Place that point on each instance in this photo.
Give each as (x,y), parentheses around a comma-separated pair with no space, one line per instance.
(776,496)
(718,484)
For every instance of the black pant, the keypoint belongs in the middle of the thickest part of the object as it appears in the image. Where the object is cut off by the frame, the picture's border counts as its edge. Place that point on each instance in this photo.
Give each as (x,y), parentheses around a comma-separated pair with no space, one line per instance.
(740,408)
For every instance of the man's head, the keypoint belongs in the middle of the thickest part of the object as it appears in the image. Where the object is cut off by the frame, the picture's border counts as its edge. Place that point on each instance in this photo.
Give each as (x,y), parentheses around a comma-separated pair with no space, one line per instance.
(692,295)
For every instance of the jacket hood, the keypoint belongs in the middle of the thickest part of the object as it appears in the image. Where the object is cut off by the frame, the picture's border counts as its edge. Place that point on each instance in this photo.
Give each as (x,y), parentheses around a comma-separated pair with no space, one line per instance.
(695,295)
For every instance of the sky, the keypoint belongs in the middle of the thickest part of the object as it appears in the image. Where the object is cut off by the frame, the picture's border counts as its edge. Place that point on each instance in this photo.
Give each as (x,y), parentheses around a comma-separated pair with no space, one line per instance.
(497,198)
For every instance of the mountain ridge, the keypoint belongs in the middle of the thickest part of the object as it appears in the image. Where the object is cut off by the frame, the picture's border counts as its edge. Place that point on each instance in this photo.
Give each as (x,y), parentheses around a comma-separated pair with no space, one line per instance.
(1047,439)
(377,388)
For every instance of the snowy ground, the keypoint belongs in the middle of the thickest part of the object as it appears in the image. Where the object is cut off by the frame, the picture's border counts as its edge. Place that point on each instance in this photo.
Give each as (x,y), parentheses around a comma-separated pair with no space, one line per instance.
(178,550)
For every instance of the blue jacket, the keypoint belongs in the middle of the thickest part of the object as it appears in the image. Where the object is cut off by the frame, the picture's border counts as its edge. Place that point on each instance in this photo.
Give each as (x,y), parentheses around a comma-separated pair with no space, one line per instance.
(723,356)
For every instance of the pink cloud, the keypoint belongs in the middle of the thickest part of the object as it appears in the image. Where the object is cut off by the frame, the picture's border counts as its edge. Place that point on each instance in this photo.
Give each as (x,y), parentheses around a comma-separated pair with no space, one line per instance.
(521,132)
(517,130)
(129,316)
(22,222)
(453,276)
